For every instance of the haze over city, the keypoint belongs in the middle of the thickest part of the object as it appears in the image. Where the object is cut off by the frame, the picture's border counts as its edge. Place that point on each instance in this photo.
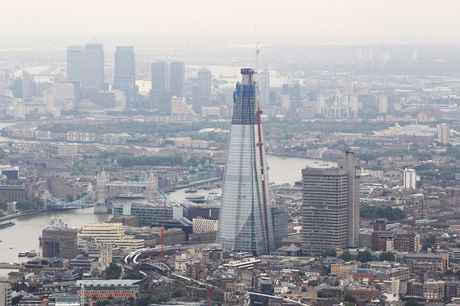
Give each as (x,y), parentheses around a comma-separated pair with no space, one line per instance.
(229,153)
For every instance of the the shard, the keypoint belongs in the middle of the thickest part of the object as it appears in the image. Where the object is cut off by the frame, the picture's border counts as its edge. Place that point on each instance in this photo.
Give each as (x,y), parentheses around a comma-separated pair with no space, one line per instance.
(245,222)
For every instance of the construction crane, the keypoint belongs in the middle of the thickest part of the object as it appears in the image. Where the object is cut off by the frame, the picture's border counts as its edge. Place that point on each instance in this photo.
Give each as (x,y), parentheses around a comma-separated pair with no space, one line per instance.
(209,297)
(163,259)
(261,150)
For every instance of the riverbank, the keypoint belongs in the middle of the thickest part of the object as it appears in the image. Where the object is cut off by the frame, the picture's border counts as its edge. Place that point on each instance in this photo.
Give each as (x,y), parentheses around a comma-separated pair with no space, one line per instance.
(15,216)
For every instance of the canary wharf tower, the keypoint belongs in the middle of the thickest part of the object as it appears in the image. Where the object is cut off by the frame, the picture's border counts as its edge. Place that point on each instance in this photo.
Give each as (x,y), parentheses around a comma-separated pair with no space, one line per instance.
(245,222)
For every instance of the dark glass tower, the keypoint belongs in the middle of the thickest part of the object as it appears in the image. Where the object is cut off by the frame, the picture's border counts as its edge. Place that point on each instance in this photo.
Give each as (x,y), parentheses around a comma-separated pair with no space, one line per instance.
(245,222)
(125,73)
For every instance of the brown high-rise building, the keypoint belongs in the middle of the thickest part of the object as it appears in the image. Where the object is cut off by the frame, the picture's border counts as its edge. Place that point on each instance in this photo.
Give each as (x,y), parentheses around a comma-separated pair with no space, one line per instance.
(60,242)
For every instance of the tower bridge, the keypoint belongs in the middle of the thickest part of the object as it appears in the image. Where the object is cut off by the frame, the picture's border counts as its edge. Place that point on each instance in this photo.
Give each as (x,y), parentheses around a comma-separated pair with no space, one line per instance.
(106,191)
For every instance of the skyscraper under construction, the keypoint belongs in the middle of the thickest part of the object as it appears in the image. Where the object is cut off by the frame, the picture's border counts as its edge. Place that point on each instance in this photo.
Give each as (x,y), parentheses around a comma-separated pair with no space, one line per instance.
(245,222)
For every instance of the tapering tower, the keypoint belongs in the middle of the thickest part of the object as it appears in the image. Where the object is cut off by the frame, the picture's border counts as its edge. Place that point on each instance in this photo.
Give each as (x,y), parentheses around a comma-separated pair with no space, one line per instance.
(245,222)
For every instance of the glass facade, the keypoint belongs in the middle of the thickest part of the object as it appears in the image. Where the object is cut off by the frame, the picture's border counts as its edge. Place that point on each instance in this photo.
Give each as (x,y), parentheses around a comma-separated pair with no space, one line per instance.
(245,222)
(149,215)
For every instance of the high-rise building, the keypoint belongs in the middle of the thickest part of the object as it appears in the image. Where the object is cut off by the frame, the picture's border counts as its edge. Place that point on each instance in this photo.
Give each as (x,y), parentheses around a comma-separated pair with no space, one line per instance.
(245,221)
(177,78)
(76,64)
(352,166)
(443,133)
(324,210)
(94,67)
(330,210)
(5,294)
(160,76)
(60,242)
(264,88)
(383,104)
(160,95)
(202,90)
(354,105)
(125,73)
(410,178)
(29,86)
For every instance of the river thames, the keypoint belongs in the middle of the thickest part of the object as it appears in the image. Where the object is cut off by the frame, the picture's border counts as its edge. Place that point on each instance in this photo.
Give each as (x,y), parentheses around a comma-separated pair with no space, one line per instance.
(24,235)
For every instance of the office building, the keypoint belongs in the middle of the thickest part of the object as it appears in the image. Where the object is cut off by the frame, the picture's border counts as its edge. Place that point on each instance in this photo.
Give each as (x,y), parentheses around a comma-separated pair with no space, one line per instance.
(410,179)
(149,214)
(201,225)
(352,166)
(202,90)
(383,104)
(245,221)
(434,290)
(111,234)
(60,242)
(76,64)
(280,219)
(264,87)
(5,294)
(177,78)
(330,210)
(94,67)
(29,86)
(125,73)
(167,82)
(160,76)
(443,133)
(116,289)
(67,301)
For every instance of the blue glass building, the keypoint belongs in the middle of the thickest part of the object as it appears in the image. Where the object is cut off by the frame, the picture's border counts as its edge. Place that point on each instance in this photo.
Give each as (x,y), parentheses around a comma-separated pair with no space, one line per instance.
(245,221)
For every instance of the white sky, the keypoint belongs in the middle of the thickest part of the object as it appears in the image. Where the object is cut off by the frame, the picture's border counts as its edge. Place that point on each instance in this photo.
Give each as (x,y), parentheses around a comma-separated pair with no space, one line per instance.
(353,20)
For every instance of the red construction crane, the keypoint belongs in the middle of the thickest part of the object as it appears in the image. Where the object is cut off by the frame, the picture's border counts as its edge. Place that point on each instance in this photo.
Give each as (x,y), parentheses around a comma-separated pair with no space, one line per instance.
(209,297)
(163,259)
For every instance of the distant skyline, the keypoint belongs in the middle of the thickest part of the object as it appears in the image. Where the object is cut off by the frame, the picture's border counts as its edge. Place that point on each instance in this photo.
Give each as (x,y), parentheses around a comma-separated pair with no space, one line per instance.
(303,21)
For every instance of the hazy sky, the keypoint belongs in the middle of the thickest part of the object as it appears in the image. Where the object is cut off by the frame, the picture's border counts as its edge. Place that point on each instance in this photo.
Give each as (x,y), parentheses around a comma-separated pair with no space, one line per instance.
(331,21)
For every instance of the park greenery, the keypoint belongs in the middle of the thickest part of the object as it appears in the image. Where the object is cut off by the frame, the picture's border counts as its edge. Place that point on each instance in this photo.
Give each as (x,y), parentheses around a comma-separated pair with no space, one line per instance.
(30,204)
(428,242)
(365,256)
(158,299)
(387,212)
(329,253)
(113,271)
(345,256)
(132,274)
(387,256)
(3,202)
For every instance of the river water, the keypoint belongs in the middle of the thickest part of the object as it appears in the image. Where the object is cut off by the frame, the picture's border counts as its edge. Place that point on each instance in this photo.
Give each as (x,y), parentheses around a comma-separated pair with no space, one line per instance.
(24,235)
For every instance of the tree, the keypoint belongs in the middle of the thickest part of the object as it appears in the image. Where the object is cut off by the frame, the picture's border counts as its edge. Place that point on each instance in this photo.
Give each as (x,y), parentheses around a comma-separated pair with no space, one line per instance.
(349,298)
(113,271)
(346,256)
(329,253)
(387,256)
(177,293)
(428,242)
(365,256)
(30,204)
(102,302)
(3,202)
(132,274)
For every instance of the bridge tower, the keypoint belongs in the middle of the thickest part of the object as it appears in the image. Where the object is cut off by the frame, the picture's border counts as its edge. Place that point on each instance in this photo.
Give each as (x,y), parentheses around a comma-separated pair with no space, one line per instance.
(151,185)
(102,179)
